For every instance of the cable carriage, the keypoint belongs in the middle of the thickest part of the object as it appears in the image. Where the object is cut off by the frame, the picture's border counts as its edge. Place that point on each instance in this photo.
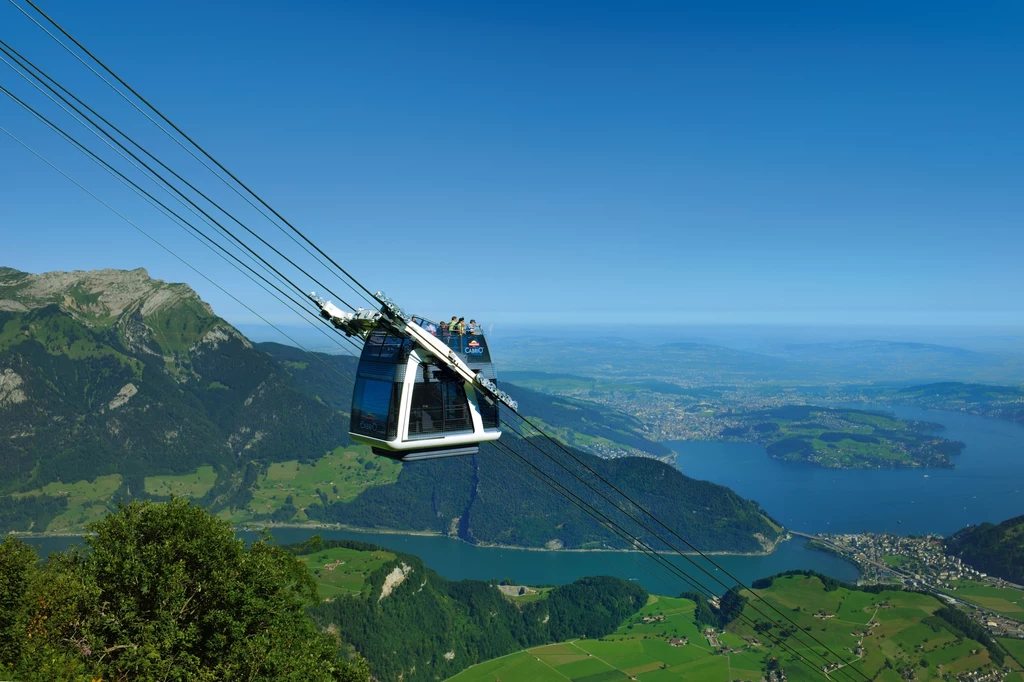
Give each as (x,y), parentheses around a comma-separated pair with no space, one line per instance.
(420,391)
(408,406)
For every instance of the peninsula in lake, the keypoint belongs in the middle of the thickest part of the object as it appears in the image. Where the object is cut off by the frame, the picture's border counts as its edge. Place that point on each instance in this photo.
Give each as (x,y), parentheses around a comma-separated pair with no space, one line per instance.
(843,438)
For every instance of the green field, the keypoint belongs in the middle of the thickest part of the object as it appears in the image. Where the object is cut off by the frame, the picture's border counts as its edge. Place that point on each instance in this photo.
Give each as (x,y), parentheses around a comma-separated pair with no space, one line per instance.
(193,485)
(343,571)
(902,631)
(1015,647)
(338,476)
(636,650)
(894,560)
(532,594)
(1004,600)
(87,501)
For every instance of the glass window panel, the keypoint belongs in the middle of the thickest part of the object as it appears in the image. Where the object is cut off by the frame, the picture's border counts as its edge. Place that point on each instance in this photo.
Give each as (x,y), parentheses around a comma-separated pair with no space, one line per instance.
(371,407)
(456,408)
(427,413)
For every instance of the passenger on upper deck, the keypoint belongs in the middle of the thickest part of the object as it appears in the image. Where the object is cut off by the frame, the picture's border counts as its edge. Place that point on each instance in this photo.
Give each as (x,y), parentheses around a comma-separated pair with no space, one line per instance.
(474,328)
(459,328)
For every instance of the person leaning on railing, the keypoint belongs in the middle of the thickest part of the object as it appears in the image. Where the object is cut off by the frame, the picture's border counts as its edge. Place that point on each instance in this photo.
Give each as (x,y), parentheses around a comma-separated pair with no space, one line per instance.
(460,329)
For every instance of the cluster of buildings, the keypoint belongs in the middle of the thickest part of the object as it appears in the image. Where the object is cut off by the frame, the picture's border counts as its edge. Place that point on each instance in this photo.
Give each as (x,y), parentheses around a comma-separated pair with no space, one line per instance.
(996,675)
(917,562)
(922,563)
(1000,626)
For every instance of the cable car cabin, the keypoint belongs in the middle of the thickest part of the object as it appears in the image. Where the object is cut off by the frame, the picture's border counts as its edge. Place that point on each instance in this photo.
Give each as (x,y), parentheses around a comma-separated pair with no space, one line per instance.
(407,405)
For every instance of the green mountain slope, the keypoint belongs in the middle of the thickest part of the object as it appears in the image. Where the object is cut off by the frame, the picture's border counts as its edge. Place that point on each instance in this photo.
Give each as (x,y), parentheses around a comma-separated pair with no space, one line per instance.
(411,624)
(113,373)
(994,549)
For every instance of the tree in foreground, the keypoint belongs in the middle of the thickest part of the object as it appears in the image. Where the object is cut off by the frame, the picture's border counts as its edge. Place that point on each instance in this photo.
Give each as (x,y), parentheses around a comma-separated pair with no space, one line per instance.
(163,592)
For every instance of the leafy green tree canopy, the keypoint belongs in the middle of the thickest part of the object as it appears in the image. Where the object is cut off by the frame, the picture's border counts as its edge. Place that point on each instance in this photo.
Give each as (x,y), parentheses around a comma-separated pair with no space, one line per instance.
(165,591)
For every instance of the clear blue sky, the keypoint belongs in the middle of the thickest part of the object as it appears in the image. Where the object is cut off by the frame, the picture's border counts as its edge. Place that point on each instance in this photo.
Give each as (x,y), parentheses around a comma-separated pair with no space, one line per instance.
(729,162)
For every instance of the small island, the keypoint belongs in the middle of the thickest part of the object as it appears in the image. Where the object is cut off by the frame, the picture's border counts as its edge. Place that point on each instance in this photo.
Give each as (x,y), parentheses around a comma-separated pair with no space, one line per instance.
(839,438)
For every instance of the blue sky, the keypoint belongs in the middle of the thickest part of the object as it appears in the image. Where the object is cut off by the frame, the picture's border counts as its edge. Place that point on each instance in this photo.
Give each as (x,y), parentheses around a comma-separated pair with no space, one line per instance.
(729,162)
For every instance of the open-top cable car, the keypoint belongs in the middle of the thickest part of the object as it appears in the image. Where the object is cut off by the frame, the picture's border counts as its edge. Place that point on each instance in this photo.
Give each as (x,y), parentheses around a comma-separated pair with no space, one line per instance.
(421,391)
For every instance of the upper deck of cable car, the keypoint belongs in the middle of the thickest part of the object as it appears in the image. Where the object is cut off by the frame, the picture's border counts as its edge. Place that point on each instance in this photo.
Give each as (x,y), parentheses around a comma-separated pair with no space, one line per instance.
(471,345)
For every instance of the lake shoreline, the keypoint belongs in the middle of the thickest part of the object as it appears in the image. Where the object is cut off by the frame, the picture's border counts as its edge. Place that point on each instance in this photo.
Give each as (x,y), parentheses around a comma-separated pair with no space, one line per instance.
(986,484)
(458,560)
(428,533)
(248,528)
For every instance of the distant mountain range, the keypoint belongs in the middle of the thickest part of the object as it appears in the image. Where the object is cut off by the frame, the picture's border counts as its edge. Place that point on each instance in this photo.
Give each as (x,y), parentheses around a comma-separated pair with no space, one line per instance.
(703,363)
(113,375)
(898,360)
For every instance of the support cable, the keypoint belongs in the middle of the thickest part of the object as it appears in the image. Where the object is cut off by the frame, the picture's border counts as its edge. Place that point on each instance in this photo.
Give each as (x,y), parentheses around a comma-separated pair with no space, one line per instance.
(575,509)
(638,506)
(653,554)
(255,257)
(32,69)
(372,300)
(165,248)
(162,179)
(145,195)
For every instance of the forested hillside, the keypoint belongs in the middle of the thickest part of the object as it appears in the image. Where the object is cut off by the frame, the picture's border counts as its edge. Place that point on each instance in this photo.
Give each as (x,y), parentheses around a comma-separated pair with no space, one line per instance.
(994,549)
(460,623)
(489,499)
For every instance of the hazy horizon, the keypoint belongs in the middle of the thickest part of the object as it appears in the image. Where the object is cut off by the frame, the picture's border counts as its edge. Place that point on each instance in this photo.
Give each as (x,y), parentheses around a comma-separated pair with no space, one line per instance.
(1003,339)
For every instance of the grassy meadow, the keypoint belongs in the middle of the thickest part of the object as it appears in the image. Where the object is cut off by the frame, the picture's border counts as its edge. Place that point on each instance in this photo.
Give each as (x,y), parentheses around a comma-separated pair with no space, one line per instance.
(338,476)
(87,501)
(194,485)
(343,571)
(1003,600)
(852,628)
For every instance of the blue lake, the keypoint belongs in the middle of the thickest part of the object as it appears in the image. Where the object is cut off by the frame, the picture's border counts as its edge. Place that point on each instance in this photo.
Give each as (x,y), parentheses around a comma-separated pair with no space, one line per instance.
(456,560)
(987,483)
